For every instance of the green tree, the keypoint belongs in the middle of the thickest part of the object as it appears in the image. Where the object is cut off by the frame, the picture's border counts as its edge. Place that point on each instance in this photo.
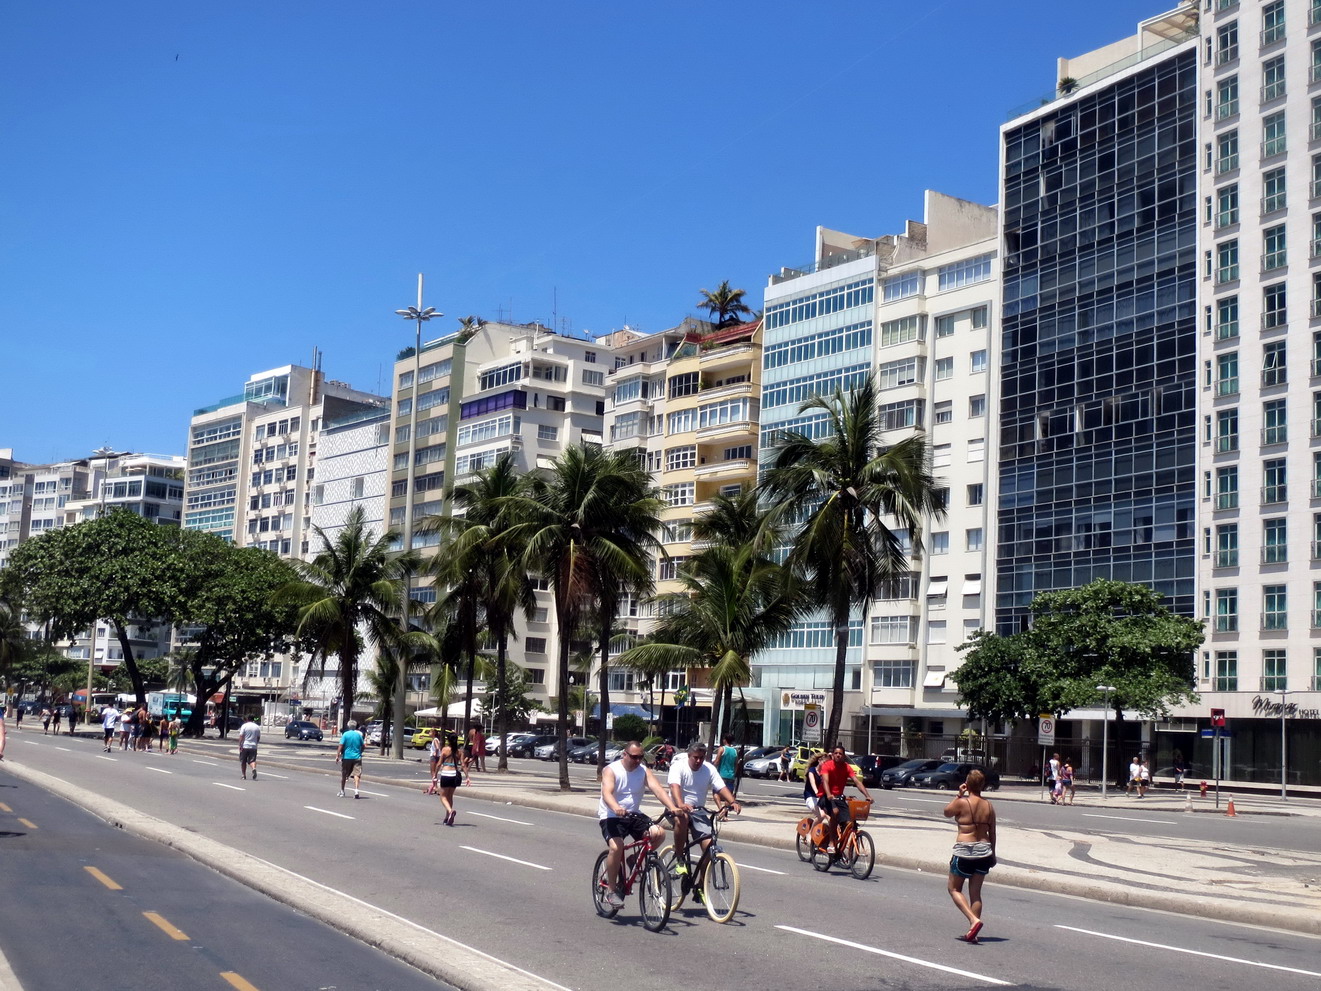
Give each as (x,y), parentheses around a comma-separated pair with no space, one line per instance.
(724,304)
(581,524)
(354,581)
(1104,633)
(855,496)
(629,727)
(514,701)
(14,642)
(119,567)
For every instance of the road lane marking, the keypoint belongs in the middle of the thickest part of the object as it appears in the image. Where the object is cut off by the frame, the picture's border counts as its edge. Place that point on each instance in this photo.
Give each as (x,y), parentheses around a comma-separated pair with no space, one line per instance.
(512,860)
(219,784)
(159,770)
(158,920)
(1163,822)
(764,870)
(103,879)
(929,801)
(208,763)
(375,794)
(65,749)
(485,815)
(5,808)
(27,822)
(32,743)
(896,956)
(235,981)
(282,777)
(340,815)
(104,757)
(1195,953)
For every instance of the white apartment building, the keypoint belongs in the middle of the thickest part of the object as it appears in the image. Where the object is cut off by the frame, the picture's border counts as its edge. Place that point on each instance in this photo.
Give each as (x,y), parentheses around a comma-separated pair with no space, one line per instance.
(915,310)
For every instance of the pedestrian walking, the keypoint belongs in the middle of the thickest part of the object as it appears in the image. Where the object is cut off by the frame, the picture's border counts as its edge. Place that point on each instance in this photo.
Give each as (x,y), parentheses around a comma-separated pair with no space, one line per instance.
(727,763)
(786,755)
(1134,777)
(18,716)
(55,720)
(974,850)
(110,717)
(148,733)
(45,719)
(163,733)
(176,727)
(1066,776)
(1180,769)
(1053,778)
(125,727)
(249,737)
(451,765)
(2,730)
(476,752)
(349,755)
(1144,780)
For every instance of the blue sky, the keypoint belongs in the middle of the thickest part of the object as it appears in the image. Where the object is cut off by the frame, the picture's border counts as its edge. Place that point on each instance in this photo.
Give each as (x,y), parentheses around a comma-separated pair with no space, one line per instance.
(197,191)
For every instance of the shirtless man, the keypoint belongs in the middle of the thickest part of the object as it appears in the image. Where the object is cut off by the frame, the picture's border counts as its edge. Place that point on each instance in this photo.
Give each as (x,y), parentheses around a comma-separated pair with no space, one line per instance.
(974,850)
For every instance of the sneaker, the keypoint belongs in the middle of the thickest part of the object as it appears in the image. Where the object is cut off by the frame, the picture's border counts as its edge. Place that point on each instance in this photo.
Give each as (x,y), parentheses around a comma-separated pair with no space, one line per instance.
(341,793)
(355,791)
(614,899)
(254,775)
(680,868)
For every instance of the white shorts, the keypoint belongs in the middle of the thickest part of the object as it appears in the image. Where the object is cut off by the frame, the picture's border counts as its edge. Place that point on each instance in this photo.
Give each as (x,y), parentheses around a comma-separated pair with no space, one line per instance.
(810,803)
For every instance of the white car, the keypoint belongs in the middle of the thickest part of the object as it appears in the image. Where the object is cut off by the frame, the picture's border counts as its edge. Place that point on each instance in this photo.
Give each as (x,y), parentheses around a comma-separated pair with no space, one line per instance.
(493,741)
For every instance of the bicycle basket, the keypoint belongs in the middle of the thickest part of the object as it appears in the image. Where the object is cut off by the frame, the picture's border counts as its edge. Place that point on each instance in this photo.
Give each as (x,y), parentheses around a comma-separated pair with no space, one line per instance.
(859,809)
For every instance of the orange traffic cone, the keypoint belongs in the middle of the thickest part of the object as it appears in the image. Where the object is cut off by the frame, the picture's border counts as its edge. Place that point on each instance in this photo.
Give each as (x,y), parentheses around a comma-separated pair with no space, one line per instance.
(1229,811)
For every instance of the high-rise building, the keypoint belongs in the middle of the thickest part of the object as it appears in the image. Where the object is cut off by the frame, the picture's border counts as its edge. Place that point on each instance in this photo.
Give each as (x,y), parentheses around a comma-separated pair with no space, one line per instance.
(914,311)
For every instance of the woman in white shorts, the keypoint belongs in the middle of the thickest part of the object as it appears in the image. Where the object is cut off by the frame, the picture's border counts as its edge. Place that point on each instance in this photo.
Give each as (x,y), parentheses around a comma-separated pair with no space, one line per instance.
(813,786)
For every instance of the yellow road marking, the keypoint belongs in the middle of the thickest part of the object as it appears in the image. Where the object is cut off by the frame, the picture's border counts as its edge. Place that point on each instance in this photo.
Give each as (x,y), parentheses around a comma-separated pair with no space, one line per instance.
(103,879)
(236,981)
(165,927)
(27,822)
(5,808)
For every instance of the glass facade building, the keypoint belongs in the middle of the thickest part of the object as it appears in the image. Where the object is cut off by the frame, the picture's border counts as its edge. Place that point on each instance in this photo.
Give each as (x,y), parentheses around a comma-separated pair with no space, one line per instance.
(1098,430)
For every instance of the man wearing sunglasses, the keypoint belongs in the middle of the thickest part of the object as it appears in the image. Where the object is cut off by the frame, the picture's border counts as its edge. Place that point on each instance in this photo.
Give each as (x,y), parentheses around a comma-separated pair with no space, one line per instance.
(622,784)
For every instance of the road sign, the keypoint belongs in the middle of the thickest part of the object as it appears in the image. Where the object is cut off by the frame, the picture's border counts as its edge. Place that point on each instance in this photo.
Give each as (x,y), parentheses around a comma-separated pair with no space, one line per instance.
(1215,731)
(1217,717)
(812,724)
(1046,731)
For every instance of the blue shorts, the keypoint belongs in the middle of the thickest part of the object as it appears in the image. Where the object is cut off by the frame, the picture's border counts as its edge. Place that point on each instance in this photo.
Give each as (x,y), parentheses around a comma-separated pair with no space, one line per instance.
(968,866)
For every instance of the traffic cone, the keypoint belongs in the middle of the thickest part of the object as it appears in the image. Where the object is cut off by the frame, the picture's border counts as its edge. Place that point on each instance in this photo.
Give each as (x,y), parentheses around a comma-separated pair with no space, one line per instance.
(1229,811)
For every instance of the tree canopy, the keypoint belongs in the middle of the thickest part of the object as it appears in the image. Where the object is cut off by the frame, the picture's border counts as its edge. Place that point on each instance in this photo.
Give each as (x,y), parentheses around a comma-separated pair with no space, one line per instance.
(1104,633)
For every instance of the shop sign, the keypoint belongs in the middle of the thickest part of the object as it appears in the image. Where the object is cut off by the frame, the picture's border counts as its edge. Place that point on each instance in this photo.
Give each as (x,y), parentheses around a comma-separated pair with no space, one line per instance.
(1264,705)
(790,699)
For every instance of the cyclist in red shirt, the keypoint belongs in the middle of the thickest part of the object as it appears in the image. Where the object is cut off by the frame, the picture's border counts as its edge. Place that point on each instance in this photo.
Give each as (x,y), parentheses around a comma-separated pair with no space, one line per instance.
(836,775)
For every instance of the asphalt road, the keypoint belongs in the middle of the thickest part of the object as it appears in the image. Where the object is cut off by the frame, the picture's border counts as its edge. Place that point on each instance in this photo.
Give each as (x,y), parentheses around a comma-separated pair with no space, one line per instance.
(514,882)
(89,906)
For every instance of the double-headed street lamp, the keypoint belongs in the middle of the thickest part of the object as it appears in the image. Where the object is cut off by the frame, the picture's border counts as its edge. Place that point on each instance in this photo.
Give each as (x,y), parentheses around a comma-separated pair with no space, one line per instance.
(419,316)
(1105,691)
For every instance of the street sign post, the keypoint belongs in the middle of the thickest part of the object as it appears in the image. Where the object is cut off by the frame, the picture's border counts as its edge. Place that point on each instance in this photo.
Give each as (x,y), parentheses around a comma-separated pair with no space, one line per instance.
(1046,738)
(811,723)
(1220,733)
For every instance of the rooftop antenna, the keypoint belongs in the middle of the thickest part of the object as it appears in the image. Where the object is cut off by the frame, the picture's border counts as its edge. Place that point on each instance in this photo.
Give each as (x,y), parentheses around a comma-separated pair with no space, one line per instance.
(554,306)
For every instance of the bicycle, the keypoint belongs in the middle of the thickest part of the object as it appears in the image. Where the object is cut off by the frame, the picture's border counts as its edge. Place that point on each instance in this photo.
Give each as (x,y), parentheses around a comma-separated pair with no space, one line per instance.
(854,851)
(714,877)
(642,864)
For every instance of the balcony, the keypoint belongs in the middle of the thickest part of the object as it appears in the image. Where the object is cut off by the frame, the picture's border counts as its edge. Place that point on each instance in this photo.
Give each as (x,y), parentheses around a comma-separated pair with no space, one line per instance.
(1271,35)
(1273,203)
(1222,5)
(1226,559)
(1274,621)
(1226,55)
(1272,91)
(1313,18)
(1271,436)
(1227,110)
(1316,488)
(1226,330)
(1273,683)
(1272,147)
(1273,495)
(728,431)
(1226,623)
(732,468)
(1271,260)
(1316,619)
(1273,320)
(1275,554)
(1226,163)
(1226,273)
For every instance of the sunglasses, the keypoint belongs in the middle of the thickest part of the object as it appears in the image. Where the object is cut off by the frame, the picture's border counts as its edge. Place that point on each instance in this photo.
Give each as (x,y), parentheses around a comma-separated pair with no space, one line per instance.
(633,756)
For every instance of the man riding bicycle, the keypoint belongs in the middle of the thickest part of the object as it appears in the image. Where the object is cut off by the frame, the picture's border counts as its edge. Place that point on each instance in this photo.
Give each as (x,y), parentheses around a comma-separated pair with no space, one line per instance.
(836,775)
(621,821)
(690,782)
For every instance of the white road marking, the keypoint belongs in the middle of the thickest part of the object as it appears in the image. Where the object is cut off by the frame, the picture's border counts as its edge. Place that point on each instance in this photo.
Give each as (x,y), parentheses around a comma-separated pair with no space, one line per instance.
(374,794)
(484,815)
(512,860)
(1163,822)
(65,749)
(32,743)
(930,801)
(158,770)
(104,757)
(220,784)
(208,763)
(339,815)
(1195,953)
(897,956)
(268,774)
(764,870)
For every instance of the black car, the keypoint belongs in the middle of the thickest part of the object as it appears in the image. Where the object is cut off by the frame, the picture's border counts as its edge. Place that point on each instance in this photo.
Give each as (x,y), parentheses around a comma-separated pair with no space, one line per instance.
(31,707)
(302,730)
(874,765)
(528,748)
(902,774)
(950,776)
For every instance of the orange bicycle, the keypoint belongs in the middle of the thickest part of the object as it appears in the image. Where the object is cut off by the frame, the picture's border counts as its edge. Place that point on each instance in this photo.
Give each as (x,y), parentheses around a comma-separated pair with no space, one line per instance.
(640,865)
(855,850)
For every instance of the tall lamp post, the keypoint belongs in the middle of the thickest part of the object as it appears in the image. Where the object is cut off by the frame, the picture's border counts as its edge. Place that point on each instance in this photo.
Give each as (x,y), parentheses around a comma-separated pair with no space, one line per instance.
(1284,752)
(1105,691)
(419,316)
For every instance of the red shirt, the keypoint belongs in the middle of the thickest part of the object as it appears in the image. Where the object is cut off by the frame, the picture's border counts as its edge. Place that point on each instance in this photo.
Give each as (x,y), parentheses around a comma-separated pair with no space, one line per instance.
(835,774)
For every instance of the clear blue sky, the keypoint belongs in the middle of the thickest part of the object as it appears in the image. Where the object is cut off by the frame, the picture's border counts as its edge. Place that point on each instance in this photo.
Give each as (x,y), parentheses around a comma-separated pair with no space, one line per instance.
(197,191)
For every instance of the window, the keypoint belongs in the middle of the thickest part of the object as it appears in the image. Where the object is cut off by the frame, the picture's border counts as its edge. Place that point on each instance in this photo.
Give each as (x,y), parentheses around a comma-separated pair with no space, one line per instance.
(1227,43)
(944,369)
(1273,250)
(936,631)
(589,357)
(547,432)
(903,330)
(1226,381)
(556,404)
(592,376)
(682,422)
(976,449)
(1275,541)
(973,538)
(1227,487)
(500,376)
(667,569)
(1226,615)
(1272,22)
(977,405)
(1226,431)
(1275,420)
(941,455)
(686,384)
(1226,318)
(976,494)
(1274,676)
(678,458)
(945,326)
(1272,79)
(726,411)
(1227,261)
(1273,135)
(978,361)
(359,486)
(1272,191)
(944,412)
(1274,304)
(894,629)
(1226,152)
(1227,98)
(898,416)
(1274,608)
(682,494)
(940,542)
(1226,677)
(980,316)
(963,273)
(1274,481)
(908,371)
(1273,371)
(903,286)
(1226,554)
(1227,205)
(892,674)
(534,645)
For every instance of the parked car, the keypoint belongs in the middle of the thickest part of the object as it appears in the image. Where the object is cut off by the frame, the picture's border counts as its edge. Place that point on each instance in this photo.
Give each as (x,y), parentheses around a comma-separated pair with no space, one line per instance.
(584,753)
(528,747)
(799,764)
(951,775)
(31,707)
(612,752)
(873,765)
(550,751)
(493,741)
(423,737)
(902,774)
(374,734)
(765,766)
(301,729)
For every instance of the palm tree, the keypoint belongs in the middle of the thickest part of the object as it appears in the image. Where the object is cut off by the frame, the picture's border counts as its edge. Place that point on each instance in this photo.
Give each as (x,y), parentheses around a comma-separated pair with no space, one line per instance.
(857,497)
(14,641)
(349,590)
(584,523)
(724,304)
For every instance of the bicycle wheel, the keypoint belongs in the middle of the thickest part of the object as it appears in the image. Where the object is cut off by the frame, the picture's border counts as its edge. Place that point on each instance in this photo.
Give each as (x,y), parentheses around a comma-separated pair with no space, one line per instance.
(847,852)
(677,890)
(804,842)
(864,856)
(599,889)
(821,860)
(721,887)
(654,893)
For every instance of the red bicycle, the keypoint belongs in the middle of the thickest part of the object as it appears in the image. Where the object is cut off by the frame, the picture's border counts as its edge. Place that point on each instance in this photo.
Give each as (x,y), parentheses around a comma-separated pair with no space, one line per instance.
(643,869)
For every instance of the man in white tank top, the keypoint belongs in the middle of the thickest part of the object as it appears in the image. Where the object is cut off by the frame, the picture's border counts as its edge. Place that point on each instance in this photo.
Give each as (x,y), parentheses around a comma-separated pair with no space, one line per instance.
(622,784)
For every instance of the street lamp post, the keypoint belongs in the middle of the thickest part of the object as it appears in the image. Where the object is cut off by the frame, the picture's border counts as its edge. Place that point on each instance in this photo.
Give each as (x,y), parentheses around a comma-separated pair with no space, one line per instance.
(1105,691)
(1284,752)
(419,316)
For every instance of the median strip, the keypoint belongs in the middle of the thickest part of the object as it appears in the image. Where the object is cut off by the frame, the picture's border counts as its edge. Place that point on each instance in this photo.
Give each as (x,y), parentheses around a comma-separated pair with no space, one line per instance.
(100,876)
(158,920)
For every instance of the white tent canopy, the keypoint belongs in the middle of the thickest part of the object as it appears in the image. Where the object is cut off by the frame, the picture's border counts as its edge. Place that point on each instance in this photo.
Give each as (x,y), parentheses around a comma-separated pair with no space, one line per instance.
(453,711)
